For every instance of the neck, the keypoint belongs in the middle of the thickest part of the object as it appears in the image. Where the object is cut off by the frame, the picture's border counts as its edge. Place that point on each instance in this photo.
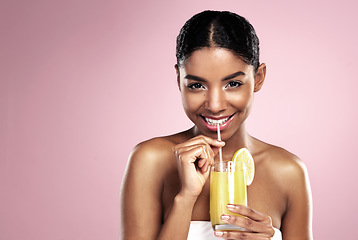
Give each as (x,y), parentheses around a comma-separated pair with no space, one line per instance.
(241,139)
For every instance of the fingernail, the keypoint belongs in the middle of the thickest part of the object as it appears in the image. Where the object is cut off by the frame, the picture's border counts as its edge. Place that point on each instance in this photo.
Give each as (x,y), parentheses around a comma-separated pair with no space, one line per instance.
(229,206)
(219,234)
(225,217)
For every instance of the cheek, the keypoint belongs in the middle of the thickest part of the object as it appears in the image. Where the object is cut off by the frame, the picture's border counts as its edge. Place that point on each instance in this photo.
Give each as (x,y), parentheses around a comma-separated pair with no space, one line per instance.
(192,102)
(242,101)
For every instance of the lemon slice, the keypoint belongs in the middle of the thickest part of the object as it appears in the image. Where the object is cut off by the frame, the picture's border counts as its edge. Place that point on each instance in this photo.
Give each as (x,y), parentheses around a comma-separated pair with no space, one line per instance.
(243,155)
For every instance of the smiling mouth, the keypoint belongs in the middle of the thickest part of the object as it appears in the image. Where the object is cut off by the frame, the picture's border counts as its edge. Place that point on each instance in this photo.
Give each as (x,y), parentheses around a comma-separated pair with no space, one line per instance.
(215,122)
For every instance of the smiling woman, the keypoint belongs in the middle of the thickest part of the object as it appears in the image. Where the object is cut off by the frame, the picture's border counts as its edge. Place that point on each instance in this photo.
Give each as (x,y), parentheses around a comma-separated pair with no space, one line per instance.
(218,73)
(212,80)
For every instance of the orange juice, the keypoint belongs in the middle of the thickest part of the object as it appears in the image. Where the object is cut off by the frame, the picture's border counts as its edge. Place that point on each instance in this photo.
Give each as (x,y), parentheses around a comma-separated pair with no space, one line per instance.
(227,186)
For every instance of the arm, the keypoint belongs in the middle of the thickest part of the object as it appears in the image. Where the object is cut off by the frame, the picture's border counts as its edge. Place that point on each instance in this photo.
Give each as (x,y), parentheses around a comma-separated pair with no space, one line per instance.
(297,221)
(290,175)
(142,189)
(193,158)
(141,210)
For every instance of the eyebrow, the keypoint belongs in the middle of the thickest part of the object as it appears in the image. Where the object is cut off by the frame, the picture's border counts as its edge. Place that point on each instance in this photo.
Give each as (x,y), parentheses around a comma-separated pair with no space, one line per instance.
(239,73)
(231,76)
(195,78)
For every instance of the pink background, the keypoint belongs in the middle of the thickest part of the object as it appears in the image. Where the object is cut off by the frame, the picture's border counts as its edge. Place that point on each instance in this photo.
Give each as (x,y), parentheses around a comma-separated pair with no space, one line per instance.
(83,81)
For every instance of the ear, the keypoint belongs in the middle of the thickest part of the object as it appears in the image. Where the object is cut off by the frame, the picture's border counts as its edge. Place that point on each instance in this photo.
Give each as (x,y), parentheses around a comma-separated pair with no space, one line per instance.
(260,77)
(178,75)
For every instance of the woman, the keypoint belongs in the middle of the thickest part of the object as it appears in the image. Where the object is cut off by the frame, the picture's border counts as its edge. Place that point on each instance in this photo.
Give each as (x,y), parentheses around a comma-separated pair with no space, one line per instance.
(165,192)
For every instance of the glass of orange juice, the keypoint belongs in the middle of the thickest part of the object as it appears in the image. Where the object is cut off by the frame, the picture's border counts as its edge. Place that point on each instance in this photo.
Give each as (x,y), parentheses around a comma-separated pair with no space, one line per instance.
(227,186)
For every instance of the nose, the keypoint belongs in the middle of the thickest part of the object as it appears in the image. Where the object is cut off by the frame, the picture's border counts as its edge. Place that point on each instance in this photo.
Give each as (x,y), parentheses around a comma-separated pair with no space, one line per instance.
(215,100)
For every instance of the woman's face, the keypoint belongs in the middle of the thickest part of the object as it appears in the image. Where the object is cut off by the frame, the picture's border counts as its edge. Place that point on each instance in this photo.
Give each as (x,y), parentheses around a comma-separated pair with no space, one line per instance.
(217,87)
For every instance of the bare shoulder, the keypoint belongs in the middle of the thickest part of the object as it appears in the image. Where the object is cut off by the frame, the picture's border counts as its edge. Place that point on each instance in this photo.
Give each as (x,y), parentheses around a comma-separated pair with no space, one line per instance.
(284,168)
(147,167)
(151,159)
(153,151)
(157,151)
(279,159)
(289,173)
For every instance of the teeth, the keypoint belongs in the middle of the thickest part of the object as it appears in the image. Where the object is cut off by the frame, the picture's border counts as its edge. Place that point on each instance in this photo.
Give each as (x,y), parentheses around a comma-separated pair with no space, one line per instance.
(216,122)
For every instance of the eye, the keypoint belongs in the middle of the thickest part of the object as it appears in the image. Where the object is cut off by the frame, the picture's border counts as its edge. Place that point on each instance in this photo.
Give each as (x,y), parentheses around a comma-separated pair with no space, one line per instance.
(233,84)
(195,86)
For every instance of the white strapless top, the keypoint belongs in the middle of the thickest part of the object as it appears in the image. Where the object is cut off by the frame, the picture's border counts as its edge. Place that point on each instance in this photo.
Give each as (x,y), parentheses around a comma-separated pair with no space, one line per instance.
(202,230)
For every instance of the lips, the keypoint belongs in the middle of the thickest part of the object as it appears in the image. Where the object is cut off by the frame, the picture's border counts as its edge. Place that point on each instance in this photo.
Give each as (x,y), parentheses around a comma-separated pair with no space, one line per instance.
(215,122)
(212,122)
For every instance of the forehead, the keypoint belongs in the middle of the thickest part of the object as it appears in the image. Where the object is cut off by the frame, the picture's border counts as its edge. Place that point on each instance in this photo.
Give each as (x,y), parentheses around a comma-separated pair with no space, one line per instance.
(215,62)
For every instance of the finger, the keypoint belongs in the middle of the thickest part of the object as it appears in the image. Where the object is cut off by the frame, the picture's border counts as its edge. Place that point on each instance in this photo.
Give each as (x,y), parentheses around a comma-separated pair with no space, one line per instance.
(184,149)
(255,221)
(249,224)
(207,165)
(200,159)
(207,150)
(194,142)
(211,141)
(179,149)
(192,154)
(202,139)
(202,162)
(247,212)
(202,151)
(241,235)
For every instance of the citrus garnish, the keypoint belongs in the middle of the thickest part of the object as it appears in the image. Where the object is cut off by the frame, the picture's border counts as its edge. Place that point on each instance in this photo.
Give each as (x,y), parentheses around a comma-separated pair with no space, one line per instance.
(243,156)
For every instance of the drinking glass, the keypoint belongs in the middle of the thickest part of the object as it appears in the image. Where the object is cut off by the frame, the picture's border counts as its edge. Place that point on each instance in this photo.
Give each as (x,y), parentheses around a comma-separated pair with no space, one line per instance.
(227,186)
